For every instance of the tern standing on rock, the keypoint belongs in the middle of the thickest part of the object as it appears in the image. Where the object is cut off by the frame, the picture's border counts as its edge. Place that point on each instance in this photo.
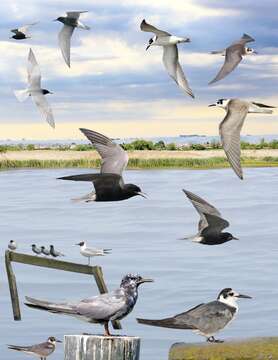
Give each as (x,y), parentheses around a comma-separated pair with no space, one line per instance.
(211,223)
(35,90)
(71,21)
(98,309)
(204,319)
(42,350)
(233,56)
(91,252)
(231,125)
(109,184)
(170,54)
(22,32)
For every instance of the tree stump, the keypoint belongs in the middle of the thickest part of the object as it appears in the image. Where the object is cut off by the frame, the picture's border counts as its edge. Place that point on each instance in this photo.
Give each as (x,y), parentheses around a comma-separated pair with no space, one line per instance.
(97,347)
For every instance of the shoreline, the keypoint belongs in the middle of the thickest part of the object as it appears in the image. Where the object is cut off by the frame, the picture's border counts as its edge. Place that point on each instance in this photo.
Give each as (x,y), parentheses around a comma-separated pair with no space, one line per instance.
(138,159)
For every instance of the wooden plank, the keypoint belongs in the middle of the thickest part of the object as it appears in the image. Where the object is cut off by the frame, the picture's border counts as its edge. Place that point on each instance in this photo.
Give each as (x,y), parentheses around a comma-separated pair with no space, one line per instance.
(88,347)
(103,289)
(12,287)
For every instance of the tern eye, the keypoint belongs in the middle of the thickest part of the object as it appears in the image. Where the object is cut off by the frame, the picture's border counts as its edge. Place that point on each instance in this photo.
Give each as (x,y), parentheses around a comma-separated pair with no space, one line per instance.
(150,41)
(231,294)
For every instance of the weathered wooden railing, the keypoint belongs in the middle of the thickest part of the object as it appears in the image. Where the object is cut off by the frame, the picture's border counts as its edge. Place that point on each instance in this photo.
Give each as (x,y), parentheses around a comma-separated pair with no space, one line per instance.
(11,256)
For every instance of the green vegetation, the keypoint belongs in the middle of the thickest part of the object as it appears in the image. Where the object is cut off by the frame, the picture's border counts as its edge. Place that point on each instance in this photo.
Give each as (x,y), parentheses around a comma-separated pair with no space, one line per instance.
(136,163)
(254,349)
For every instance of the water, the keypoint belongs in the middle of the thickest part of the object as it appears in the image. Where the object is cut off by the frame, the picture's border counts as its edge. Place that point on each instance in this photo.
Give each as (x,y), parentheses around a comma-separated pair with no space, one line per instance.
(143,235)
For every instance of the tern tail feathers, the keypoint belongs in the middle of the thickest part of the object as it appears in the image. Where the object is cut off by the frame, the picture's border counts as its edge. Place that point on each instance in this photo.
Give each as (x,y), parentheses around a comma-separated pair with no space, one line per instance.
(87,198)
(167,323)
(48,306)
(21,95)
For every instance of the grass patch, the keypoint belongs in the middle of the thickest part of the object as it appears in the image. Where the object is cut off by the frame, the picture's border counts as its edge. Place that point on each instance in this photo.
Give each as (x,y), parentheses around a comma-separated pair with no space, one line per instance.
(136,163)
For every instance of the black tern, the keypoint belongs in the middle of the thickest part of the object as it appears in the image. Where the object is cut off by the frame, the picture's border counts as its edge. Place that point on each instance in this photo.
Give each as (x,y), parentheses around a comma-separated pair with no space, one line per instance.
(91,252)
(36,250)
(45,251)
(233,56)
(109,184)
(54,252)
(98,309)
(12,245)
(211,223)
(71,21)
(204,319)
(35,90)
(231,125)
(170,54)
(42,350)
(22,32)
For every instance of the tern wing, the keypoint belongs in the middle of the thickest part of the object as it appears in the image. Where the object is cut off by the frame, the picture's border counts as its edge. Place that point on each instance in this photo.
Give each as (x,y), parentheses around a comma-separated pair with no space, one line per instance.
(263,105)
(150,28)
(174,69)
(244,39)
(114,157)
(75,14)
(44,108)
(229,130)
(33,70)
(232,58)
(102,307)
(64,38)
(215,225)
(202,207)
(24,28)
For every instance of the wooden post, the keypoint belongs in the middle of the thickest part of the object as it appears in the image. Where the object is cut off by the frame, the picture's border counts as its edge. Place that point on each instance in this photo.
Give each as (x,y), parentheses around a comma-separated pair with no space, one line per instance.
(96,347)
(12,256)
(252,349)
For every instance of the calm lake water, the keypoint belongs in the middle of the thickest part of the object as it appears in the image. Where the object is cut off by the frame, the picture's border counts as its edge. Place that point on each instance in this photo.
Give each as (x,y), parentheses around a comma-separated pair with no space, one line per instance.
(143,234)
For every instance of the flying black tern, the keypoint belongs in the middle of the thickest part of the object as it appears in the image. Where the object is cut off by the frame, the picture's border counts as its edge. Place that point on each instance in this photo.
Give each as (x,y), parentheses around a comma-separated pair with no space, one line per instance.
(101,308)
(71,21)
(170,54)
(233,56)
(45,251)
(12,245)
(204,319)
(231,125)
(42,350)
(91,252)
(22,32)
(36,250)
(211,223)
(109,184)
(54,252)
(35,91)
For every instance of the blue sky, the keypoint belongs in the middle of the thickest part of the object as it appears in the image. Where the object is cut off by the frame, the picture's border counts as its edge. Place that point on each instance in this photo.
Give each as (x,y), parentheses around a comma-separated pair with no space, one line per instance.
(116,87)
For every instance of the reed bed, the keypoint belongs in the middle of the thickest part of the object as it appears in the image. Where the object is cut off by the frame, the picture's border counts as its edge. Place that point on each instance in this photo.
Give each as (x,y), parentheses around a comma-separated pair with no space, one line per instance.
(136,163)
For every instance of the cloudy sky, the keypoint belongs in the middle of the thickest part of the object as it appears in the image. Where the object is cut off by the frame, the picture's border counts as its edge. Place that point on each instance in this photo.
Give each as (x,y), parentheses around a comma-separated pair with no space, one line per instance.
(114,86)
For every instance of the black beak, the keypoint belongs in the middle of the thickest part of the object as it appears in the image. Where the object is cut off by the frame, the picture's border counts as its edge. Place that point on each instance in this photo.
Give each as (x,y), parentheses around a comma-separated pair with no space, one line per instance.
(212,105)
(147,47)
(145,280)
(241,296)
(140,193)
(59,341)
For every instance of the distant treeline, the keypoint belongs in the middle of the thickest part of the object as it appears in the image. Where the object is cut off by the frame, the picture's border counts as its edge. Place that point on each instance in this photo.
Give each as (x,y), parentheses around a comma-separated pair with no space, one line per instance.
(142,145)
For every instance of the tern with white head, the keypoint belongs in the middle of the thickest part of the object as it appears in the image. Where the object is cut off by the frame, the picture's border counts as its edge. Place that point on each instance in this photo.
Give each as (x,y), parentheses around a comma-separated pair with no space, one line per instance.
(170,54)
(91,252)
(205,319)
(35,90)
(231,125)
(233,56)
(12,245)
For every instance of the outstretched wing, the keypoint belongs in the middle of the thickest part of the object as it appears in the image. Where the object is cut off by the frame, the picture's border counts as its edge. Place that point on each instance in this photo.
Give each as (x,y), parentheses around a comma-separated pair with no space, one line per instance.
(75,14)
(24,29)
(174,69)
(33,71)
(229,130)
(64,38)
(215,225)
(114,157)
(150,28)
(44,108)
(232,58)
(202,207)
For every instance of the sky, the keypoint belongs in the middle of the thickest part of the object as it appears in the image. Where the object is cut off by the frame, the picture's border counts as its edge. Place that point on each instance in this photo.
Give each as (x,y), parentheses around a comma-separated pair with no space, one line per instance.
(116,87)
